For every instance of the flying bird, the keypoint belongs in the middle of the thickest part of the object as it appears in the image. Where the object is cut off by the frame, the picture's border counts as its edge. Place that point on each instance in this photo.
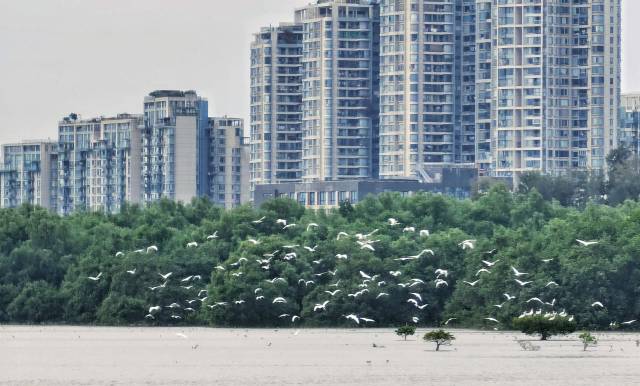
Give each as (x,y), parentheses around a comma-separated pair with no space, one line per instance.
(551,283)
(311,225)
(440,283)
(509,297)
(253,241)
(353,317)
(213,236)
(467,244)
(395,273)
(522,283)
(192,244)
(166,275)
(423,252)
(381,294)
(471,283)
(483,270)
(332,293)
(118,254)
(368,246)
(260,220)
(518,273)
(95,278)
(490,263)
(272,281)
(312,250)
(424,233)
(441,272)
(340,256)
(597,304)
(155,309)
(492,320)
(449,320)
(158,286)
(587,243)
(152,248)
(409,229)
(341,234)
(393,222)
(413,301)
(321,306)
(132,272)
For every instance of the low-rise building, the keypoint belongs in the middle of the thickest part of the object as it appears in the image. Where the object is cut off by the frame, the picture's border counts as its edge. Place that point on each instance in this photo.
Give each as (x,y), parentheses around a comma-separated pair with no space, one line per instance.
(455,182)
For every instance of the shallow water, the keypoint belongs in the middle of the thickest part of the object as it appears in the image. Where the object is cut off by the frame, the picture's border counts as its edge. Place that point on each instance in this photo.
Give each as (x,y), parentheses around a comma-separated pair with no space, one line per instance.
(202,356)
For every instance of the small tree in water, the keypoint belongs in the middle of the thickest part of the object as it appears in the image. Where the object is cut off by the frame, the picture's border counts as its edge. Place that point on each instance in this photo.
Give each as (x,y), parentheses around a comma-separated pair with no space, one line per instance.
(588,340)
(439,337)
(405,331)
(544,326)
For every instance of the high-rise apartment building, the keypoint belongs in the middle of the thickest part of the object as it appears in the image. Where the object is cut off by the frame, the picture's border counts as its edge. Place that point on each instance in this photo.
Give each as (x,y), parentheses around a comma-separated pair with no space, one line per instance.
(228,162)
(174,146)
(28,174)
(340,99)
(427,83)
(556,85)
(276,105)
(98,163)
(483,80)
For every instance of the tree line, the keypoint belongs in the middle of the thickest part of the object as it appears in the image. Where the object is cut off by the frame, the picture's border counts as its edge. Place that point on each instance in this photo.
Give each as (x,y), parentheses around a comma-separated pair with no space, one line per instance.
(46,260)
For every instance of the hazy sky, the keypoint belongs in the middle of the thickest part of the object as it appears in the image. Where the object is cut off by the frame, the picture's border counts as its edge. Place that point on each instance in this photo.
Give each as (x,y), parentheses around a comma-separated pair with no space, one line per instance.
(101,57)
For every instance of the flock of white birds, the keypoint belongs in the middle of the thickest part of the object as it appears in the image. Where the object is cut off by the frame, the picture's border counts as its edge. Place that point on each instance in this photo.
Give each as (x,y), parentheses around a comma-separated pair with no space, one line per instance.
(369,282)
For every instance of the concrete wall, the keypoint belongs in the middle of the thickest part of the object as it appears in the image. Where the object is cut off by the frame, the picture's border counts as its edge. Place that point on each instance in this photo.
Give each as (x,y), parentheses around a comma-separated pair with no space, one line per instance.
(185,159)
